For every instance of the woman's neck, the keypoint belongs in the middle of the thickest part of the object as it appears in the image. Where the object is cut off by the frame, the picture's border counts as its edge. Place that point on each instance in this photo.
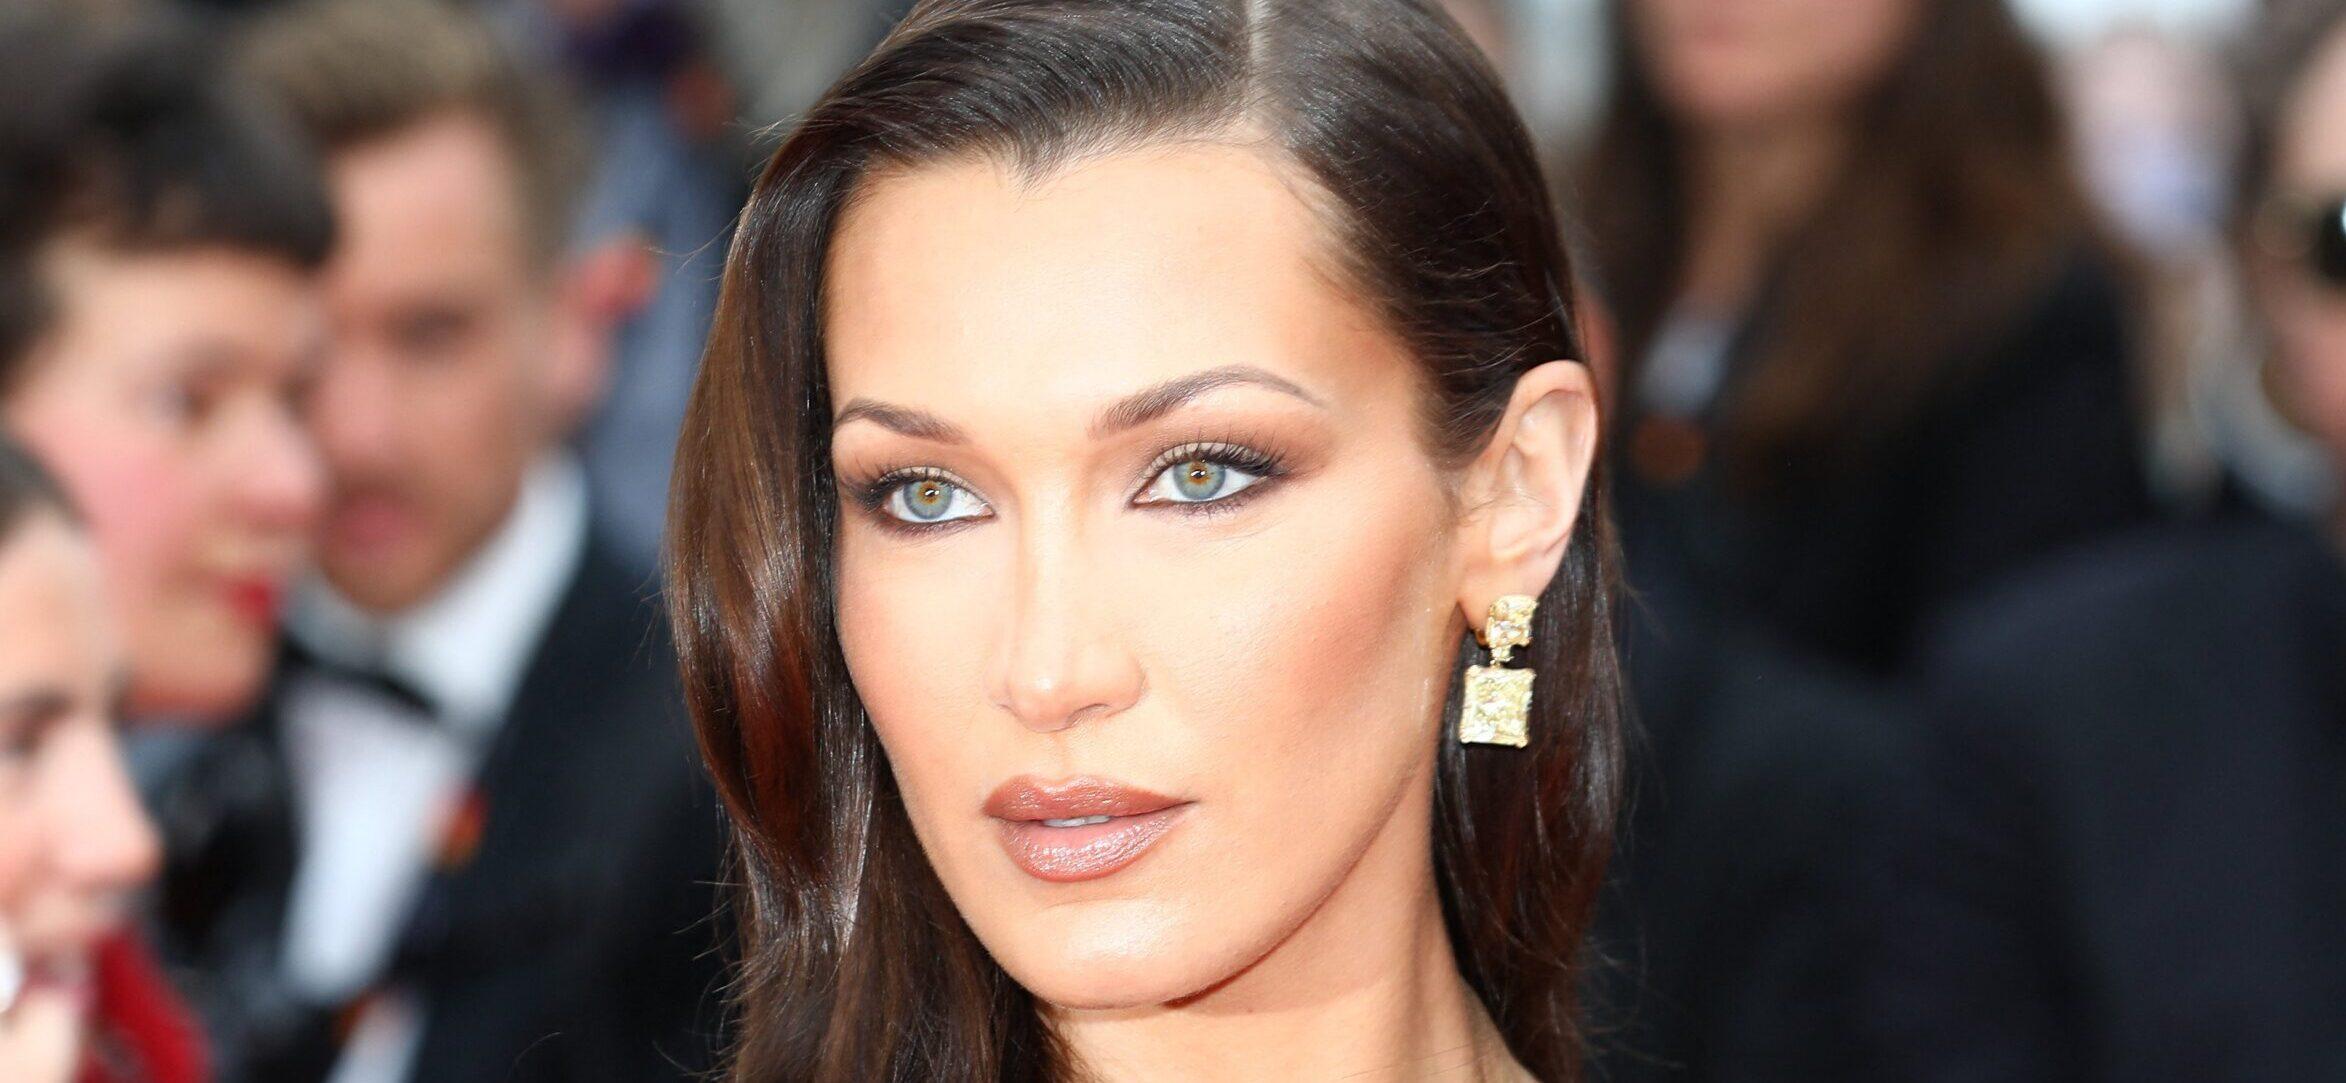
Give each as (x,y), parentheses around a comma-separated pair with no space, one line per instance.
(1365,989)
(1749,187)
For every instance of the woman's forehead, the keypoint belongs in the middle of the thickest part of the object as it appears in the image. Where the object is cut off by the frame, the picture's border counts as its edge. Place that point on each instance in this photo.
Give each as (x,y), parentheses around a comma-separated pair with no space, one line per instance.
(964,281)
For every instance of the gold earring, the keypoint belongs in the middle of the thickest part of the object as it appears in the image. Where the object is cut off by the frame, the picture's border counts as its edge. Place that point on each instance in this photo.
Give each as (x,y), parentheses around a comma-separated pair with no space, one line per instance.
(1498,701)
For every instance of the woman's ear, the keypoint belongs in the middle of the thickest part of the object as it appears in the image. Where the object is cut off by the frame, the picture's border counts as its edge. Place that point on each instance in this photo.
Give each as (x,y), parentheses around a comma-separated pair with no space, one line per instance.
(1523,492)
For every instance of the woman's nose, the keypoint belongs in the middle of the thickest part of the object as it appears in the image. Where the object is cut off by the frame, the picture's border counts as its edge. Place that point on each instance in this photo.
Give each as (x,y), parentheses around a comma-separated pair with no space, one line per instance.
(279,480)
(1061,661)
(101,837)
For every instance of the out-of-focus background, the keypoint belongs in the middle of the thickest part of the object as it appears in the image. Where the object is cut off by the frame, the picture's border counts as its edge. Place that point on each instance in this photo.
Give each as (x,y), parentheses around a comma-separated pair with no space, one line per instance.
(1974,372)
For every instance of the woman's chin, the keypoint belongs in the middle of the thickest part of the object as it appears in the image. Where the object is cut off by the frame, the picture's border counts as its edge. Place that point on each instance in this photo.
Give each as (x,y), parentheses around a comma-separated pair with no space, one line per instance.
(1110,992)
(199,692)
(1108,962)
(1127,957)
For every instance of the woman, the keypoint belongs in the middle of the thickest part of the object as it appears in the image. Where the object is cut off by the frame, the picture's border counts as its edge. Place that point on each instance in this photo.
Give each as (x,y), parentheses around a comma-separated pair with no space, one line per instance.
(1875,350)
(73,840)
(1117,419)
(1873,357)
(176,432)
(2123,857)
(158,234)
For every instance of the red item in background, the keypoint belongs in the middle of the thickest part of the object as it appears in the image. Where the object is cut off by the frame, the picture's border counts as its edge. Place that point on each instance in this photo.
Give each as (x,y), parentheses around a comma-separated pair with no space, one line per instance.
(139,1030)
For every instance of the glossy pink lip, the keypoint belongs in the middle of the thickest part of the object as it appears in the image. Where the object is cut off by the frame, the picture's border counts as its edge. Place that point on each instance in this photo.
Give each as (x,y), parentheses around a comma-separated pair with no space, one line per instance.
(1136,819)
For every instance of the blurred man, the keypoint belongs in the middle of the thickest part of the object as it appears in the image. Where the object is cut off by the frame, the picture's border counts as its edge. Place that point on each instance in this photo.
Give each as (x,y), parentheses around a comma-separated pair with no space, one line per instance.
(467,838)
(2129,858)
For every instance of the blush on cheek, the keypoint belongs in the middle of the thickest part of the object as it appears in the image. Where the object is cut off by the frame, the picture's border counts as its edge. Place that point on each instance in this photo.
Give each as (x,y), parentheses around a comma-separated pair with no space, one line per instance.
(137,501)
(1321,654)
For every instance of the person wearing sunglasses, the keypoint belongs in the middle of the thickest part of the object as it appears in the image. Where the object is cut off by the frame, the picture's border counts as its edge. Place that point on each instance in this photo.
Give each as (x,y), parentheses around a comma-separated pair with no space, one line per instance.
(2295,259)
(2127,857)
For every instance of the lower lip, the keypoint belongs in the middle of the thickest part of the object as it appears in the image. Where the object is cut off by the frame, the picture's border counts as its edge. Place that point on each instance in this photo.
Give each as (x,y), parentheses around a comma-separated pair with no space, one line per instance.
(256,602)
(1066,855)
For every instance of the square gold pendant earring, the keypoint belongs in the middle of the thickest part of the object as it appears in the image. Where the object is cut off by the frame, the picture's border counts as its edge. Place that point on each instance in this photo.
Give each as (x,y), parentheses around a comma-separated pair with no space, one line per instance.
(1498,701)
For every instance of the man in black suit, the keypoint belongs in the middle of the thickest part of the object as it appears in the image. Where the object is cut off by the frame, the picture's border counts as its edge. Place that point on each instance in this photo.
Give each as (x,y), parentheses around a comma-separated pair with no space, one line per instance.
(467,837)
(2124,857)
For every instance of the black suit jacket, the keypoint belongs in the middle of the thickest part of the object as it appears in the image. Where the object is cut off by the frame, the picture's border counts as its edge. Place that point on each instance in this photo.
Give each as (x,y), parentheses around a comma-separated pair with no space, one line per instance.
(2125,857)
(1772,629)
(578,943)
(1727,943)
(2032,451)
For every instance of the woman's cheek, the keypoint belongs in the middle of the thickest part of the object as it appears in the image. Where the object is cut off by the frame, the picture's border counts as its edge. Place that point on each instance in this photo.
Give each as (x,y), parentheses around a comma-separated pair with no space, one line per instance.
(911,626)
(1308,635)
(139,506)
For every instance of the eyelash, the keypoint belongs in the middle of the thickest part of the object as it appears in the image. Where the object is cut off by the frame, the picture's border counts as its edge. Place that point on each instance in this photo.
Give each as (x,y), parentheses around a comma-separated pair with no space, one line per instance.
(1266,465)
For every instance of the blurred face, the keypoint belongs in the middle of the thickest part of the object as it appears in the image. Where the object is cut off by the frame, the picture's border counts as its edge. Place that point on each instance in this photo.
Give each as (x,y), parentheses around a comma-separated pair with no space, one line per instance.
(1744,63)
(2307,316)
(77,841)
(166,399)
(446,374)
(1144,577)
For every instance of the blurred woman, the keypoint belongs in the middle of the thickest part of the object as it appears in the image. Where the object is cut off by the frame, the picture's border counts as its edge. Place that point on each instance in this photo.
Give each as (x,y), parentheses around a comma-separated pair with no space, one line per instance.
(73,840)
(157,321)
(1875,350)
(2126,856)
(1874,355)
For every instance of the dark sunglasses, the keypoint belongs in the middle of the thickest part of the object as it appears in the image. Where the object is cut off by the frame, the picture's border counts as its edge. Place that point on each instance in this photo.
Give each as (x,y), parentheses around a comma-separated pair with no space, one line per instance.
(2308,232)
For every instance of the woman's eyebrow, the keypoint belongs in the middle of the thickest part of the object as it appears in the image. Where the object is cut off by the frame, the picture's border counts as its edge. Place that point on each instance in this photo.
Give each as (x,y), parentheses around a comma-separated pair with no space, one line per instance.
(1145,406)
(1135,409)
(919,424)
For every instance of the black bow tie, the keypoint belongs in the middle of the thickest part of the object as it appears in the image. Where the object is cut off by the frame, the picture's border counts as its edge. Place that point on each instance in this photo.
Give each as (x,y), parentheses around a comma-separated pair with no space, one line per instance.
(376,679)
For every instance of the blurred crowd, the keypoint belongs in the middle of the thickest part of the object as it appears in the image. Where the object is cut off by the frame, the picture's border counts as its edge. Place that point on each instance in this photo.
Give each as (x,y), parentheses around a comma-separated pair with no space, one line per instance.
(1977,402)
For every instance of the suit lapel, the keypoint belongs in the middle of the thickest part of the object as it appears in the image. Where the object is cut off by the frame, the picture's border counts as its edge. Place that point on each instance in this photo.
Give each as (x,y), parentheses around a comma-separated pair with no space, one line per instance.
(513,889)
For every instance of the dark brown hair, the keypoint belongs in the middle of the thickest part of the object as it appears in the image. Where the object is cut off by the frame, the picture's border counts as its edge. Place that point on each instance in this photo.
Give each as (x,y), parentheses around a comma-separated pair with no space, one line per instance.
(857,965)
(28,490)
(123,135)
(1955,204)
(355,71)
(2291,37)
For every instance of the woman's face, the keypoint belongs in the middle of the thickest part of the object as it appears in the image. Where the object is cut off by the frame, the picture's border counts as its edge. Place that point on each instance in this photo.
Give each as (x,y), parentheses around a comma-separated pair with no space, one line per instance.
(1745,63)
(2307,317)
(74,842)
(166,401)
(1144,576)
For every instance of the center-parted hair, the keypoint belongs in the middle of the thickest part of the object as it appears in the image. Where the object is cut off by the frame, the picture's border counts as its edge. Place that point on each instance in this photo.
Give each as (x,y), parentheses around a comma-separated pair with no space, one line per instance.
(856,964)
(1955,206)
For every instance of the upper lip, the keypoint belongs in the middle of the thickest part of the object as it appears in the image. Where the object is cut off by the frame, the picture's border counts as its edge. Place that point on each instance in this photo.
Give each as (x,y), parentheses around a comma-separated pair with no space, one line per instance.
(1028,798)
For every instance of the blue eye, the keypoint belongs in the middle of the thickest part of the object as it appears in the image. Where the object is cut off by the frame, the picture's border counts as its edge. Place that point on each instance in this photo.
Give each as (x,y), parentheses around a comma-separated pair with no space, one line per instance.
(930,499)
(1198,479)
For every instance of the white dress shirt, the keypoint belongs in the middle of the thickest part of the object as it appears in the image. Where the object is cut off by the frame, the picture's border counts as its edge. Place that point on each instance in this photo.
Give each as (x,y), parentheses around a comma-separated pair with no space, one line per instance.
(375,782)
